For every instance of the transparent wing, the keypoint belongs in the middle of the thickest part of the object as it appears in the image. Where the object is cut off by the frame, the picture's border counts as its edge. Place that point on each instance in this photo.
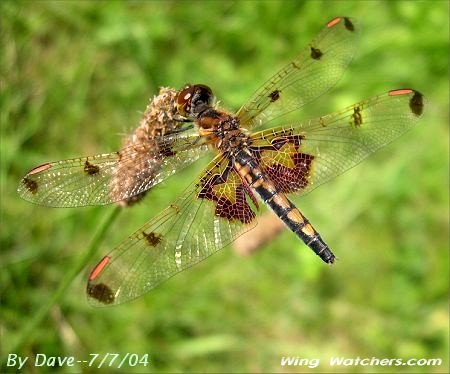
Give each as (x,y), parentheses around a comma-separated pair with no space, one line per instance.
(301,157)
(112,177)
(205,219)
(312,73)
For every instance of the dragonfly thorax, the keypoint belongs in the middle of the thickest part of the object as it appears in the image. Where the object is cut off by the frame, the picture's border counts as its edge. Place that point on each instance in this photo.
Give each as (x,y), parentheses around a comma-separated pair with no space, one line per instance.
(222,130)
(219,128)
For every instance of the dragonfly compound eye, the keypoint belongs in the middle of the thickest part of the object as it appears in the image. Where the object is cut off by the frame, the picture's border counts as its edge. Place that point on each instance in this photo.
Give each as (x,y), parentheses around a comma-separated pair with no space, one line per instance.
(194,99)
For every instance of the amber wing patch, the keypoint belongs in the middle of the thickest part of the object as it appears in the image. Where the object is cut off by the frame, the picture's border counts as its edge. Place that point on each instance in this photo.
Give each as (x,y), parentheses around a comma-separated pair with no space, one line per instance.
(283,162)
(226,189)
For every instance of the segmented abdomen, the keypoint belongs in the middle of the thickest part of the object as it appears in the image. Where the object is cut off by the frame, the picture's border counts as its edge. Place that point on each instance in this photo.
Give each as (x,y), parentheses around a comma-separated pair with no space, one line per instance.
(250,172)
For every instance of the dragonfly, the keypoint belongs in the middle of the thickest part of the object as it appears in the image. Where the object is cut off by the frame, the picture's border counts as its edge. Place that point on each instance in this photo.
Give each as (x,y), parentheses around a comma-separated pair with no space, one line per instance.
(249,167)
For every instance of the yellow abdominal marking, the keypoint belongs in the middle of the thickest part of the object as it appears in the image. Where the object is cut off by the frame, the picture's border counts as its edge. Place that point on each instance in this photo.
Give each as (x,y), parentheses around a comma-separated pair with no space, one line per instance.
(281,201)
(257,183)
(295,216)
(243,170)
(308,230)
(248,178)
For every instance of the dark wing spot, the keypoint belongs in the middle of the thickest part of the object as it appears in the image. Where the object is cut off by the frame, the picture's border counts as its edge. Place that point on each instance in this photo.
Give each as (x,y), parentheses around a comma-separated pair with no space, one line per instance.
(416,103)
(152,238)
(30,185)
(91,169)
(348,24)
(101,292)
(274,96)
(356,116)
(316,53)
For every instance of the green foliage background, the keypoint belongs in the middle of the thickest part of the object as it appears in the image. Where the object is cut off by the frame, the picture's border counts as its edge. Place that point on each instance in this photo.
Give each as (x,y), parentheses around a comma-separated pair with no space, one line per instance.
(75,77)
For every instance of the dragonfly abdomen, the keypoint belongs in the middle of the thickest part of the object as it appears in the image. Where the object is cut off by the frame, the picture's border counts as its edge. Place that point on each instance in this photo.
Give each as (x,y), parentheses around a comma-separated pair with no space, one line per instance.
(251,173)
(295,220)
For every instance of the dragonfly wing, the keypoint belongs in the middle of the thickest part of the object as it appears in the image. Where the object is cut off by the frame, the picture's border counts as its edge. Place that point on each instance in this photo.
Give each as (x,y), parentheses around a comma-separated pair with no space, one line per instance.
(207,217)
(299,158)
(312,73)
(112,177)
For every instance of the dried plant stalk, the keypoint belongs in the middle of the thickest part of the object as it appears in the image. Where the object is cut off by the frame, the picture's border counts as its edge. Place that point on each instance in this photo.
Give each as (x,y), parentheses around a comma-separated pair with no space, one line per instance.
(158,120)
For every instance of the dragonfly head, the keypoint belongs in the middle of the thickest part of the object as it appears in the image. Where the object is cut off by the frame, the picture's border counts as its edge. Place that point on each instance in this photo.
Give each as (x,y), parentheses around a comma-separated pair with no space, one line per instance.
(194,99)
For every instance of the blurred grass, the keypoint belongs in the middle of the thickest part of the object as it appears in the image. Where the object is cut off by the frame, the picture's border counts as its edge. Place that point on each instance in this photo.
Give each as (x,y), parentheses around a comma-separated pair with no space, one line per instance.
(75,77)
